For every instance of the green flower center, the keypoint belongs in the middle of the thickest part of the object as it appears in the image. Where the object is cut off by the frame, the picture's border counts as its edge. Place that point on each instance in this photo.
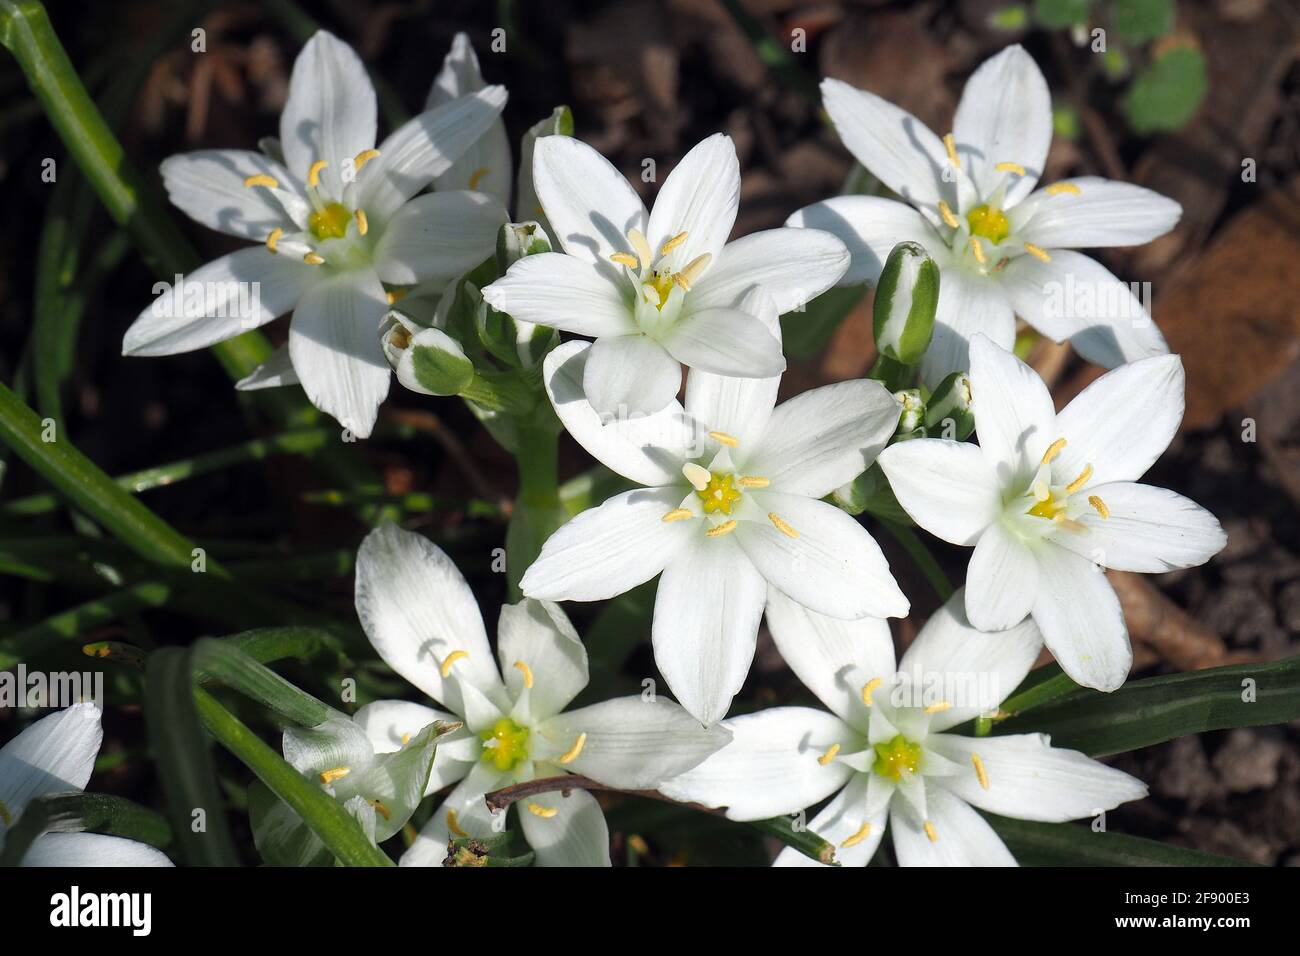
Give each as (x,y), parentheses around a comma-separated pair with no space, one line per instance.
(330,222)
(897,756)
(989,223)
(511,744)
(720,494)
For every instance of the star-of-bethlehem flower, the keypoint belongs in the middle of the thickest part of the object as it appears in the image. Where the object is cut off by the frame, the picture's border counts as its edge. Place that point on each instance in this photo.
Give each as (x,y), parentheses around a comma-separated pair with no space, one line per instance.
(1048,500)
(56,754)
(731,506)
(660,289)
(336,222)
(1004,248)
(886,749)
(421,617)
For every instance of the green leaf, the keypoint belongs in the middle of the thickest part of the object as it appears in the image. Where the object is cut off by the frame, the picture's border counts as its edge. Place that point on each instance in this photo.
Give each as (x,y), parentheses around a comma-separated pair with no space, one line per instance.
(1060,14)
(1166,94)
(1073,844)
(83,813)
(280,835)
(807,332)
(1137,21)
(1014,16)
(227,662)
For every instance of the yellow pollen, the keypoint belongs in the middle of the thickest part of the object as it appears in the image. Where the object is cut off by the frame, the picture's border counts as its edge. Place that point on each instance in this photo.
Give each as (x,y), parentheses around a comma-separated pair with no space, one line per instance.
(261,179)
(938,708)
(978,249)
(829,755)
(1079,482)
(929,831)
(624,259)
(571,754)
(1057,189)
(406,739)
(868,689)
(1010,168)
(718,531)
(640,245)
(527,672)
(544,812)
(691,274)
(679,514)
(363,157)
(395,296)
(948,215)
(863,832)
(1100,505)
(1038,252)
(334,773)
(1053,450)
(478,174)
(979,770)
(313,259)
(450,659)
(950,145)
(781,526)
(672,243)
(753,481)
(724,439)
(313,174)
(273,238)
(363,224)
(381,809)
(697,475)
(454,826)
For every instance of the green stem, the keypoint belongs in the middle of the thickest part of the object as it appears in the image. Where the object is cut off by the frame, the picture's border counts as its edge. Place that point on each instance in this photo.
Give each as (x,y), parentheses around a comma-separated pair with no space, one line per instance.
(538,510)
(915,547)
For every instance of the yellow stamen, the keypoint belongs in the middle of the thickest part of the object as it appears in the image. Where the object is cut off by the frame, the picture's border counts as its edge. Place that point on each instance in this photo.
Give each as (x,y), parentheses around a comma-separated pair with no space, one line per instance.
(313,174)
(863,832)
(363,225)
(1068,523)
(869,688)
(950,145)
(640,246)
(571,754)
(381,809)
(753,481)
(938,708)
(1099,505)
(978,249)
(395,296)
(365,156)
(829,755)
(1057,189)
(478,174)
(679,514)
(334,773)
(406,739)
(672,243)
(781,526)
(697,475)
(723,438)
(261,179)
(948,216)
(624,259)
(1038,252)
(1053,450)
(691,274)
(527,672)
(718,531)
(1079,482)
(979,770)
(313,259)
(453,826)
(1010,168)
(273,238)
(929,831)
(544,812)
(450,659)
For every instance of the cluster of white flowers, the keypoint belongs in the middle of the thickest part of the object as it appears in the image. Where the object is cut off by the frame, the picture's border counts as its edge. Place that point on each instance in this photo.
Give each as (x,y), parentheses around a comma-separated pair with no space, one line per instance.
(730,511)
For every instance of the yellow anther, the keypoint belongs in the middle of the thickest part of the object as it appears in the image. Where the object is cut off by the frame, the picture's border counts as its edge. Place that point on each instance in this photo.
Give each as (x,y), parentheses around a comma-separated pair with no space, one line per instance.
(1053,450)
(948,215)
(544,812)
(261,179)
(1057,189)
(679,514)
(697,475)
(1099,505)
(1038,252)
(694,269)
(1079,482)
(640,246)
(453,825)
(781,526)
(450,659)
(395,296)
(672,243)
(363,157)
(363,224)
(869,688)
(527,672)
(313,259)
(753,481)
(1010,168)
(406,739)
(718,531)
(862,833)
(334,773)
(381,809)
(478,175)
(723,438)
(829,755)
(938,708)
(571,754)
(273,238)
(950,145)
(625,259)
(313,174)
(979,770)
(929,831)
(977,248)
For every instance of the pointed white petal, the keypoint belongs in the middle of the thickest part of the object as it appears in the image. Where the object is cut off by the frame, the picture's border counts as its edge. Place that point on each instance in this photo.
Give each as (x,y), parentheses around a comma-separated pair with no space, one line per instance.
(564,292)
(437,237)
(962,838)
(630,375)
(725,341)
(1001,580)
(539,635)
(967,304)
(56,754)
(91,849)
(1080,617)
(869,227)
(486,165)
(393,724)
(208,186)
(1102,213)
(275,372)
(700,197)
(590,204)
(1014,415)
(793,267)
(841,821)
(576,835)
(468,810)
(460,74)
(949,488)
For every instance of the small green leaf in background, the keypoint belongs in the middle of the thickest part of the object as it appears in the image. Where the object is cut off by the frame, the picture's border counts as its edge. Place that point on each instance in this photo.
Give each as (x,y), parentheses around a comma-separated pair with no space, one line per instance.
(1137,21)
(807,332)
(1165,95)
(1059,14)
(1065,122)
(1014,16)
(1075,844)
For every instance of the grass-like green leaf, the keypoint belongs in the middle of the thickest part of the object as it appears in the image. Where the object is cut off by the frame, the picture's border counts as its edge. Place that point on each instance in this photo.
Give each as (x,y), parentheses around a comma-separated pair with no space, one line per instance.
(1077,844)
(82,813)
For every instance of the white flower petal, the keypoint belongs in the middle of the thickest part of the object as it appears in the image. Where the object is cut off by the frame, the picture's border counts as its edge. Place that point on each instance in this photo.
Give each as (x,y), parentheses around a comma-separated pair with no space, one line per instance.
(770,767)
(792,266)
(276,372)
(437,237)
(962,837)
(590,204)
(392,724)
(564,292)
(842,820)
(725,341)
(1081,621)
(486,166)
(707,609)
(700,197)
(334,344)
(605,551)
(967,304)
(469,811)
(208,186)
(1028,779)
(241,291)
(539,635)
(949,488)
(56,754)
(826,653)
(833,566)
(1102,213)
(91,849)
(1001,580)
(630,375)
(869,227)
(1014,415)
(576,835)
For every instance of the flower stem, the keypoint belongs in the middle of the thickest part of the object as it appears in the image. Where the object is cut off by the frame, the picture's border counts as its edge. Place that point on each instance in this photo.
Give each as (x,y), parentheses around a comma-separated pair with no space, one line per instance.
(538,509)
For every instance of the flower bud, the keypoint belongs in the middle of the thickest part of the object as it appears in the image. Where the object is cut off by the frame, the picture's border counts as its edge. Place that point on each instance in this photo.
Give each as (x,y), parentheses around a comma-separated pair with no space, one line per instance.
(906,298)
(428,361)
(518,239)
(948,413)
(911,424)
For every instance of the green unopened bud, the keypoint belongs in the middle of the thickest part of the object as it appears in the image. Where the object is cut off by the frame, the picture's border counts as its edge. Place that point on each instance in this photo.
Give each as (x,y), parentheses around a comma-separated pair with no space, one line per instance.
(948,413)
(428,361)
(906,298)
(518,239)
(911,424)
